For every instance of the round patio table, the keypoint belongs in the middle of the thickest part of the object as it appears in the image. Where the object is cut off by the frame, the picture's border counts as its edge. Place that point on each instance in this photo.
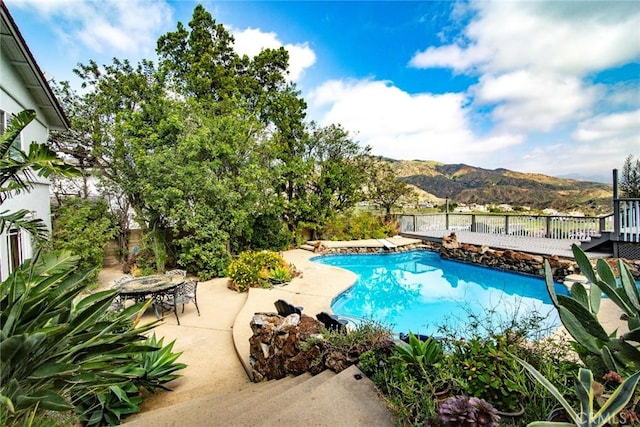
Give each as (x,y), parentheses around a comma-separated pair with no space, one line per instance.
(157,287)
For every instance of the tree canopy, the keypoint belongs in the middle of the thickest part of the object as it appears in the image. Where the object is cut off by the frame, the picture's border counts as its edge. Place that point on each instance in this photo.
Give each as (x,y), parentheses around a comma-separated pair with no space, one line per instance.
(211,150)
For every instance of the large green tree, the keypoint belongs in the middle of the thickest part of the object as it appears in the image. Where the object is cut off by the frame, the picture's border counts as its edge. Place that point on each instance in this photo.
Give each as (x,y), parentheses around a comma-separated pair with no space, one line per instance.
(341,169)
(83,227)
(207,187)
(202,63)
(385,189)
(211,149)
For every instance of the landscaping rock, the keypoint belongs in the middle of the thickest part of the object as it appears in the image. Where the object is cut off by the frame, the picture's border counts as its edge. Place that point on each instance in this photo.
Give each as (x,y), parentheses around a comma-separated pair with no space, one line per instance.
(276,346)
(508,260)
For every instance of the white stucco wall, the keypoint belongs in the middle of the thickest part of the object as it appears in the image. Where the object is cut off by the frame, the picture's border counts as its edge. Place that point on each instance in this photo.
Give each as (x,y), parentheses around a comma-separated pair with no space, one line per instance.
(14,97)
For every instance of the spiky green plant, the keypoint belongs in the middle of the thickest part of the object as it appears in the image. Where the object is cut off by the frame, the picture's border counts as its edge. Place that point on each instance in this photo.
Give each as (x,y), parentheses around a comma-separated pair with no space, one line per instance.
(58,348)
(584,390)
(18,170)
(578,312)
(56,345)
(419,355)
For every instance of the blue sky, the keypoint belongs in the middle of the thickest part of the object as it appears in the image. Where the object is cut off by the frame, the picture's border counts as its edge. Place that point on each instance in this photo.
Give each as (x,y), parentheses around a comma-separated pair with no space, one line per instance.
(545,87)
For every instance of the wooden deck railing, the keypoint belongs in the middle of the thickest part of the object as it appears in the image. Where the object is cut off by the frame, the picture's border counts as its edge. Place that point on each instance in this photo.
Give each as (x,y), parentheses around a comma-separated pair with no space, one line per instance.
(627,228)
(552,227)
(623,225)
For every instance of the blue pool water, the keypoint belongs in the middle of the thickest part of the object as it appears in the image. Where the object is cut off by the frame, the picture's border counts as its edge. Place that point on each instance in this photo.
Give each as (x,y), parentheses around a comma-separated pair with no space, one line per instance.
(418,291)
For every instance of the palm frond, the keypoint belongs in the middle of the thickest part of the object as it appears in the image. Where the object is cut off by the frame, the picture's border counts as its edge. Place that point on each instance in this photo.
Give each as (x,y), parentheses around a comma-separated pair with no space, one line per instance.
(19,219)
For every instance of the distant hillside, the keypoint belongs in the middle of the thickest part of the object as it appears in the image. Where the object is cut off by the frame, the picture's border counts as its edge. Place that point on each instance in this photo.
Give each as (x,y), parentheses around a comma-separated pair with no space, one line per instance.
(468,184)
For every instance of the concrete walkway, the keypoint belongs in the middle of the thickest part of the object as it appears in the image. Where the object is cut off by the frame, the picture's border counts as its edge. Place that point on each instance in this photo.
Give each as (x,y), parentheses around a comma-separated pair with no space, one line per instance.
(215,345)
(206,344)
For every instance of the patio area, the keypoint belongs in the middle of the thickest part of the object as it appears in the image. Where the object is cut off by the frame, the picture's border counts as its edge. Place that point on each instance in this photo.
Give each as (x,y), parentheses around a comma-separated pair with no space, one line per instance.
(215,345)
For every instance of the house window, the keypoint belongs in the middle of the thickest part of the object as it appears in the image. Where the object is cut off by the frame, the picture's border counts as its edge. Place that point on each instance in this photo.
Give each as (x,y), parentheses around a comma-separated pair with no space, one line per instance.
(14,245)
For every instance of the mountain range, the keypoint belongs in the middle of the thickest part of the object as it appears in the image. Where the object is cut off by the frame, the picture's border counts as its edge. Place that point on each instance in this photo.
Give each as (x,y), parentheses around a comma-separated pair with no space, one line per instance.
(462,183)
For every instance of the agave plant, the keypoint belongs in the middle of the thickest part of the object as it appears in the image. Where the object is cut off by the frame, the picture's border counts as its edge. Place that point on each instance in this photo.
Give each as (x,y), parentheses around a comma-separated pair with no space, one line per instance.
(56,345)
(149,371)
(157,367)
(584,390)
(579,311)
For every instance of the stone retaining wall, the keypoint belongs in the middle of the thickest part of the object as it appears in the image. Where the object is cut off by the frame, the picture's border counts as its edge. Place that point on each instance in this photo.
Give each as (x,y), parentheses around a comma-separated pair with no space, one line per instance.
(321,249)
(508,260)
(452,249)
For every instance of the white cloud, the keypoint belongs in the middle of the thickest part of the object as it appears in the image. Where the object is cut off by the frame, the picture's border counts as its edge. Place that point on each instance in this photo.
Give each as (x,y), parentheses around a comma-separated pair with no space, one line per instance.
(404,126)
(567,157)
(552,37)
(400,125)
(530,102)
(611,127)
(252,41)
(535,62)
(112,26)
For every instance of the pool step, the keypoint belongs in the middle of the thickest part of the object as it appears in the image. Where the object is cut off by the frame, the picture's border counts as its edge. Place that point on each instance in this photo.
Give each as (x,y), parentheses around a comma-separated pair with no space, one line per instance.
(387,244)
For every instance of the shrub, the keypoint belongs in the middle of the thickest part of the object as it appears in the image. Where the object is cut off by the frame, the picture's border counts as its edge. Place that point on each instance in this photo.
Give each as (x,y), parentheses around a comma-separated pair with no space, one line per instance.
(269,232)
(419,358)
(483,365)
(360,226)
(258,270)
(338,350)
(490,372)
(585,391)
(409,398)
(84,228)
(204,252)
(368,335)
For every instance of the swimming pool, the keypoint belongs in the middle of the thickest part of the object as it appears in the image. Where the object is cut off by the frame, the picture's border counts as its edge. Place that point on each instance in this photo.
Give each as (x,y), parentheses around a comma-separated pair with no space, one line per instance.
(418,291)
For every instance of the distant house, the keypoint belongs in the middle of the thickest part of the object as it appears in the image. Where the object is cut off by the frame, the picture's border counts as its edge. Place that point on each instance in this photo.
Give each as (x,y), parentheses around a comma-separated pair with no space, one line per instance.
(23,86)
(479,208)
(462,208)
